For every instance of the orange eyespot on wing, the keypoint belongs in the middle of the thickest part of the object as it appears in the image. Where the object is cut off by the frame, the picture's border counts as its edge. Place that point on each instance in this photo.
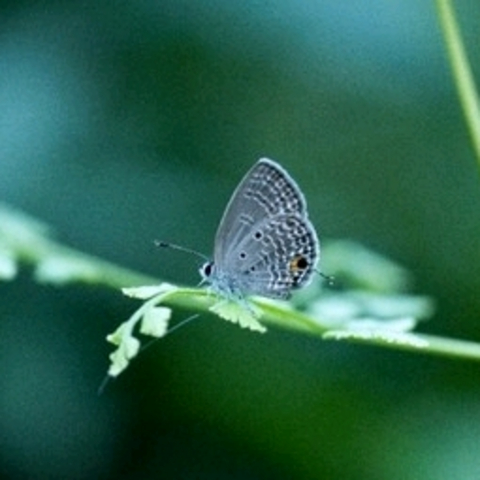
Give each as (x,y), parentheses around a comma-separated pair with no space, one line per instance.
(298,263)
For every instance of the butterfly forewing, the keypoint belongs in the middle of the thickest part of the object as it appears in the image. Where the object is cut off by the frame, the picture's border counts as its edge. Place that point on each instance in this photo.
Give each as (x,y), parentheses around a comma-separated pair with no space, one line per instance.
(265,191)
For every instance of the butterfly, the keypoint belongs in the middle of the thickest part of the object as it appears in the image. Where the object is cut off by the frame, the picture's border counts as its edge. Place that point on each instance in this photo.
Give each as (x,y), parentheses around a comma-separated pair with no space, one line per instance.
(265,243)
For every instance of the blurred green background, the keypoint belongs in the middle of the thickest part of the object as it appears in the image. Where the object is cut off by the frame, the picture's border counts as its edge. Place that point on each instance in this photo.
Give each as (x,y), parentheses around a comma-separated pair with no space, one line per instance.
(122,122)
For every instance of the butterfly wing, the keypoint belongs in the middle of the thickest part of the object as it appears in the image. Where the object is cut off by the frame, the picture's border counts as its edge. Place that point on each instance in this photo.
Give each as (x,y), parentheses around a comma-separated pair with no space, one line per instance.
(265,191)
(277,256)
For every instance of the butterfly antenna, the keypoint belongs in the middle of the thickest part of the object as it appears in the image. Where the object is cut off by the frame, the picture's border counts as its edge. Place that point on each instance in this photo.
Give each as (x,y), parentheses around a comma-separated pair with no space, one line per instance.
(160,243)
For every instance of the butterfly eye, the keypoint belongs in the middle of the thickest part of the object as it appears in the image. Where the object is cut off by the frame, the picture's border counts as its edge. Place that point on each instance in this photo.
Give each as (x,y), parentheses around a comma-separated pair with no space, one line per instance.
(207,269)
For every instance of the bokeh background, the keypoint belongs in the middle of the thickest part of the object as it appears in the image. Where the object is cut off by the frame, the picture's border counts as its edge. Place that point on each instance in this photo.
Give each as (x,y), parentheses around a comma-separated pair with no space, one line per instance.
(122,122)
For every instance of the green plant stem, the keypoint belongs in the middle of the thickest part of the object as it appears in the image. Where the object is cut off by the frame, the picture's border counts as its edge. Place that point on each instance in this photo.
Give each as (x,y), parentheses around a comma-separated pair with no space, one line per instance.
(27,240)
(113,276)
(438,346)
(284,317)
(461,71)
